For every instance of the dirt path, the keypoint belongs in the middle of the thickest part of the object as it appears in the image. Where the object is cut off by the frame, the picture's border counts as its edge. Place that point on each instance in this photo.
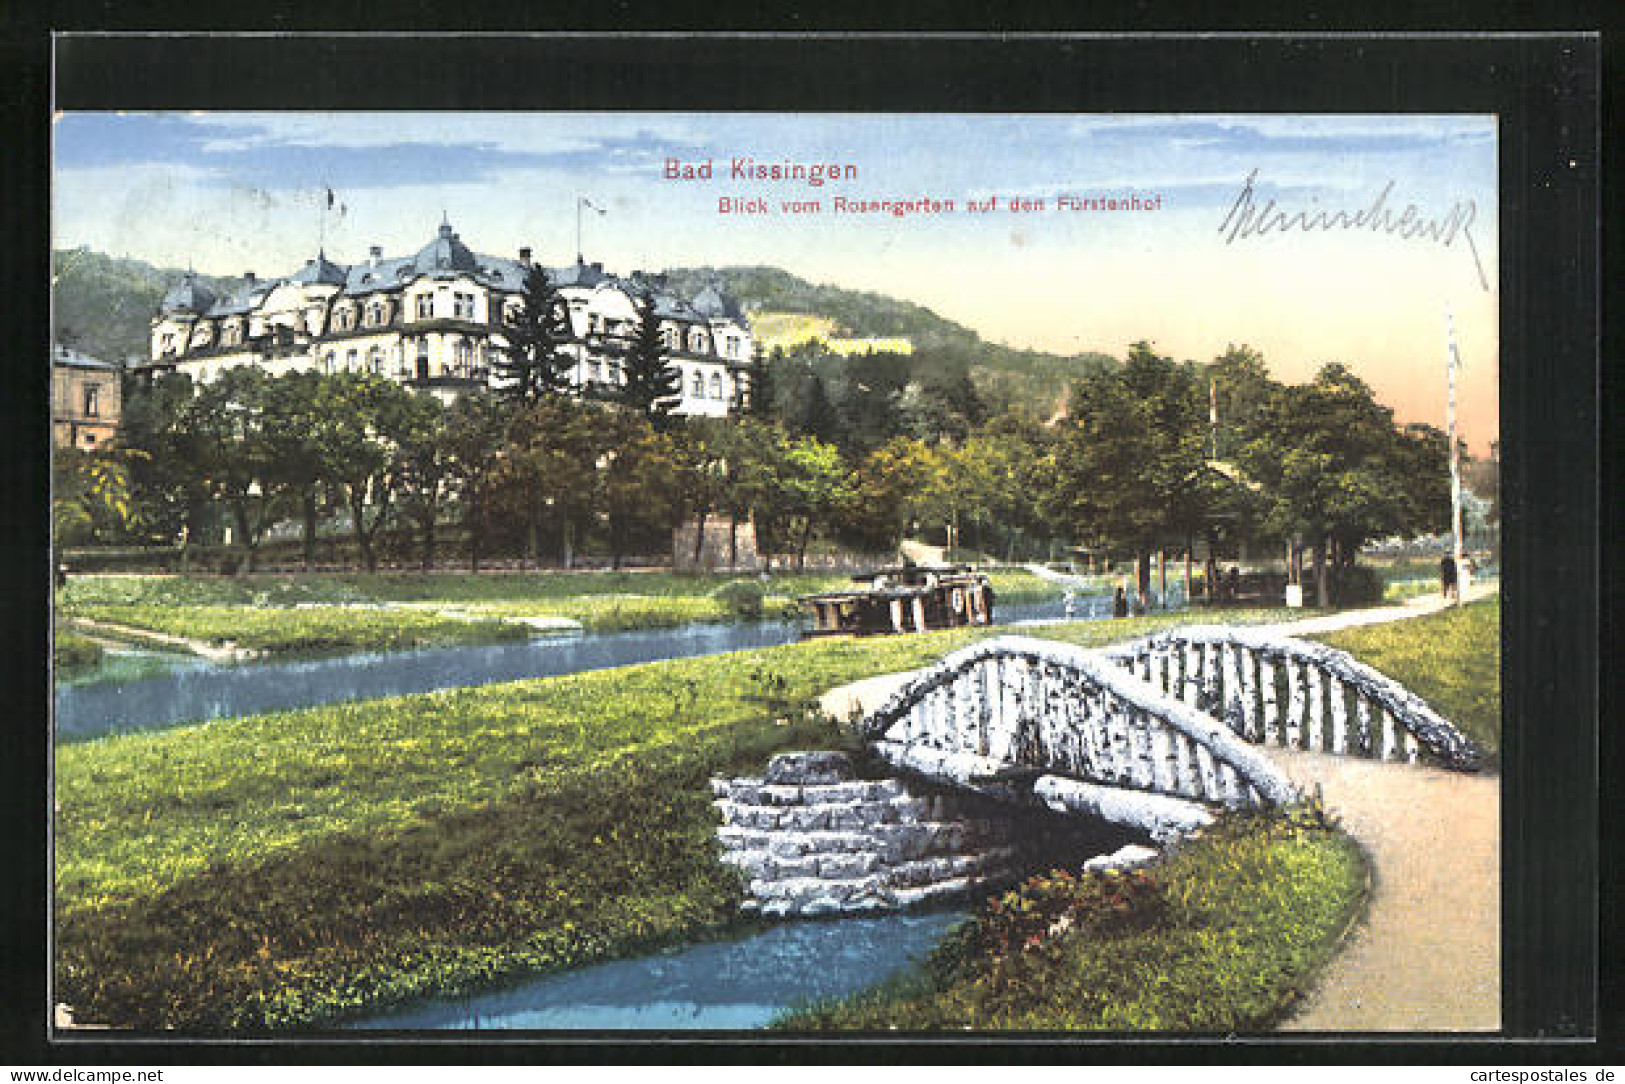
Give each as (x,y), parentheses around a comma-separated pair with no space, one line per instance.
(1428,955)
(126,634)
(922,554)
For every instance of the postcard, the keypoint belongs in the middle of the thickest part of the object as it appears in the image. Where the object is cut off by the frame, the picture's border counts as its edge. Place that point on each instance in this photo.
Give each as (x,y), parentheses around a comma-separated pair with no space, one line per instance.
(683,571)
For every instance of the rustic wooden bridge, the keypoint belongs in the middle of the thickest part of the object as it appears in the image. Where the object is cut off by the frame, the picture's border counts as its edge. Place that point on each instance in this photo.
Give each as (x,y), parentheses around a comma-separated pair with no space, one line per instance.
(1156,733)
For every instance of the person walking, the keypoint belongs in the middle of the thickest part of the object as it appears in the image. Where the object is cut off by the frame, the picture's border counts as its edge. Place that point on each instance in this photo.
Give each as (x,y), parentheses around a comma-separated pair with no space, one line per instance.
(1447,578)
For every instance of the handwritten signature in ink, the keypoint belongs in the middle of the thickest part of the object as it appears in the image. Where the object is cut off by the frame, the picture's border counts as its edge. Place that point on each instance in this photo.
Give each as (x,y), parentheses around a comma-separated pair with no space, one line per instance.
(1247,218)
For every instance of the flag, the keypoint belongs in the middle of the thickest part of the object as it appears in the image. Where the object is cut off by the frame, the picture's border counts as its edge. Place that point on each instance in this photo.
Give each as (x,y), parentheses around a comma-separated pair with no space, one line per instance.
(587,203)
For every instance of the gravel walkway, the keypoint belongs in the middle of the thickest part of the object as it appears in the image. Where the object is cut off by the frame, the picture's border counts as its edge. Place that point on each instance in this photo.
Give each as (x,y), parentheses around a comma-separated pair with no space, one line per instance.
(1427,957)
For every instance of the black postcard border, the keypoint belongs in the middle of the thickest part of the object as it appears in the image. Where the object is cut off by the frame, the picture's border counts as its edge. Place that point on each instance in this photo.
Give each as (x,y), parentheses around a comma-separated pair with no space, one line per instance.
(1543,87)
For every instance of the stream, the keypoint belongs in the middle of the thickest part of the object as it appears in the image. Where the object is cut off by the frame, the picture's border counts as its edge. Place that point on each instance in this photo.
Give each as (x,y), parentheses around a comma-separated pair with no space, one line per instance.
(136,689)
(718,985)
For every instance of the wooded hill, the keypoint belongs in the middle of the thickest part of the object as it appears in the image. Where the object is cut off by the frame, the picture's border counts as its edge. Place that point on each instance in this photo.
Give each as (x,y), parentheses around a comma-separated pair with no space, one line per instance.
(104,305)
(1031,379)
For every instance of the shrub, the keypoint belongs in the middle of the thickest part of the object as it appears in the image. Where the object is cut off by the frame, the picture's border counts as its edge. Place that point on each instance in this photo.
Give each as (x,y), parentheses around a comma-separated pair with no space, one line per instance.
(1032,916)
(70,651)
(1356,585)
(743,598)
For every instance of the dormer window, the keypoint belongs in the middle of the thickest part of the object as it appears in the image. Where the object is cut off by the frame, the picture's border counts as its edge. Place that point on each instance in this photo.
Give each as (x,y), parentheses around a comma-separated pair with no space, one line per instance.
(425,306)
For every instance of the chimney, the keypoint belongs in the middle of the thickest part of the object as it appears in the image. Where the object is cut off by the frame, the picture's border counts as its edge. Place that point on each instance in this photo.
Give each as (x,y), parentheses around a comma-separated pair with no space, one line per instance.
(524,254)
(376,252)
(596,266)
(248,276)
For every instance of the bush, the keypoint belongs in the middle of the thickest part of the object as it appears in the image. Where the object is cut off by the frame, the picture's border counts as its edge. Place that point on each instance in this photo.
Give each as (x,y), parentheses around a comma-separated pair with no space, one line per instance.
(70,651)
(1356,585)
(1031,917)
(743,598)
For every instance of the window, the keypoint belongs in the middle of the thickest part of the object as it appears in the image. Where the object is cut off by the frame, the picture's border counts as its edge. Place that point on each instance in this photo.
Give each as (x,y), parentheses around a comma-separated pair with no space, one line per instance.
(375,314)
(463,306)
(699,384)
(425,306)
(375,361)
(327,363)
(716,385)
(464,356)
(350,361)
(90,401)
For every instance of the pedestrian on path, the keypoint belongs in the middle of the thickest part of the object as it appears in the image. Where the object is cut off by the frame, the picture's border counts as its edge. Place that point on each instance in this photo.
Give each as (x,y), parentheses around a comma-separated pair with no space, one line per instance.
(1447,578)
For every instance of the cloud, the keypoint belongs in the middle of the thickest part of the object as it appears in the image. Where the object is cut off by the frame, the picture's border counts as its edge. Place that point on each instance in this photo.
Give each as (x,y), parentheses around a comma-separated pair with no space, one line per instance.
(319,151)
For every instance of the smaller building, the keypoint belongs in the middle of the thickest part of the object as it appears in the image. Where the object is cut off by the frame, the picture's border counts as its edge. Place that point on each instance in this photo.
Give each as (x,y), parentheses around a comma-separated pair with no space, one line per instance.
(85,399)
(912,598)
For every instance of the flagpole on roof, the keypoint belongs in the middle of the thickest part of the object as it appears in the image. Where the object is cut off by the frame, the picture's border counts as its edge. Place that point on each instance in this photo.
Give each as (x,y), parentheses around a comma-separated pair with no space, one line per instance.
(582,201)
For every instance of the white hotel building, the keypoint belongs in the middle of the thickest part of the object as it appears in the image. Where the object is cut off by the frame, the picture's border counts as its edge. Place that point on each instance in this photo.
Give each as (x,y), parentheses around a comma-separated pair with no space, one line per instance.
(436,321)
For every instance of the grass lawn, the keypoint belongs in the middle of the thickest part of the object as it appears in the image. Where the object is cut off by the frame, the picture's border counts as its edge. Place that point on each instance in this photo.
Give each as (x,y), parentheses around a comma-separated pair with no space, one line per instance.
(278,630)
(258,612)
(1221,938)
(296,867)
(1451,659)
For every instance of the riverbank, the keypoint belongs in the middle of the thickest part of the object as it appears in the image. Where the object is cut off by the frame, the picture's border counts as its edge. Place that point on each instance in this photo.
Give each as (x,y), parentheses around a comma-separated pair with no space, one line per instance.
(271,615)
(297,868)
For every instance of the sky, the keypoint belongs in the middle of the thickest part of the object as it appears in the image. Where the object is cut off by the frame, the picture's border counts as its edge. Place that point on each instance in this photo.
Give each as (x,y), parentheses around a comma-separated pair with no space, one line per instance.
(233,192)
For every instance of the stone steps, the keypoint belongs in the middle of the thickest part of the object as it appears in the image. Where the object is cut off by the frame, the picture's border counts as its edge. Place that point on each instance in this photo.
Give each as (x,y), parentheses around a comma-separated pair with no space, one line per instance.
(814,841)
(769,868)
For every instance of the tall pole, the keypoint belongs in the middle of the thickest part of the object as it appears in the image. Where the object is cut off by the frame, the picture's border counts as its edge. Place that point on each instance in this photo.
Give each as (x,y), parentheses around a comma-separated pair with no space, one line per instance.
(1213,416)
(578,227)
(1452,361)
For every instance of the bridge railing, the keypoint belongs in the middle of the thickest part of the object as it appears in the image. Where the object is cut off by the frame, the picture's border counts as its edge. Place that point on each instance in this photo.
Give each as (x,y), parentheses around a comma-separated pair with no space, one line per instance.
(1014,706)
(1276,690)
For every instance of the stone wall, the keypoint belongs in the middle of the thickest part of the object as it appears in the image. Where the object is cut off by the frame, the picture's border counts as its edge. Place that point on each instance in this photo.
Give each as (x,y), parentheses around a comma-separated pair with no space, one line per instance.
(722,541)
(815,840)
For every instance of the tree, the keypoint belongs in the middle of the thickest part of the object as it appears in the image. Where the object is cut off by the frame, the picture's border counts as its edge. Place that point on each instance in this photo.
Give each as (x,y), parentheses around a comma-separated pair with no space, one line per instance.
(653,385)
(1128,471)
(813,415)
(886,494)
(476,428)
(1338,473)
(226,426)
(760,403)
(536,365)
(165,478)
(867,394)
(815,483)
(91,496)
(546,469)
(640,483)
(426,468)
(299,427)
(749,451)
(365,454)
